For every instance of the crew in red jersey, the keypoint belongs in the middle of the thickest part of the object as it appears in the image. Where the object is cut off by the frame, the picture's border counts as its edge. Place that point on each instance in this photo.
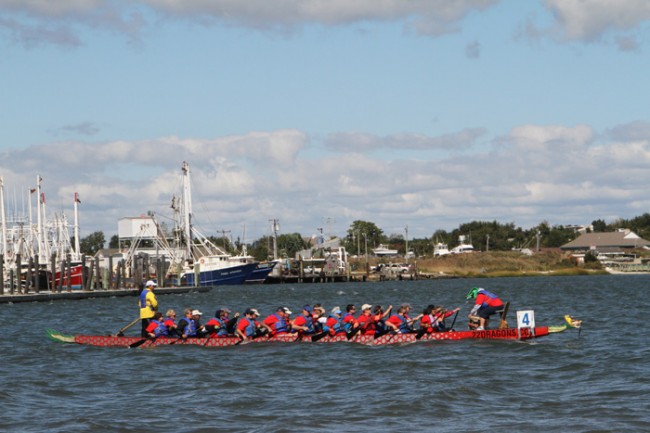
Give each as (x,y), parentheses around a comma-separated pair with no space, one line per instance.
(278,322)
(379,318)
(485,305)
(156,327)
(366,321)
(399,322)
(441,314)
(349,321)
(249,328)
(334,324)
(429,321)
(221,325)
(169,322)
(304,323)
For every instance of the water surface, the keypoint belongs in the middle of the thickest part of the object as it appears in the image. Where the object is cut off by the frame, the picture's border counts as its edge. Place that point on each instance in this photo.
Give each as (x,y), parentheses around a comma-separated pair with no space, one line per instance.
(593,382)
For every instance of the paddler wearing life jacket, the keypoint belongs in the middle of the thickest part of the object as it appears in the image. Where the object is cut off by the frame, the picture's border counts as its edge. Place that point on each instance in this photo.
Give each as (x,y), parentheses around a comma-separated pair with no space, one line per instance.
(366,321)
(334,324)
(379,318)
(170,322)
(278,322)
(318,317)
(221,325)
(148,305)
(429,321)
(349,321)
(399,322)
(304,323)
(485,305)
(189,325)
(248,327)
(156,327)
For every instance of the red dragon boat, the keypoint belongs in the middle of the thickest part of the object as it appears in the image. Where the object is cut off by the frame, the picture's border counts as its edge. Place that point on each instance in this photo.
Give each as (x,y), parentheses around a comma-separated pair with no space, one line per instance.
(488,334)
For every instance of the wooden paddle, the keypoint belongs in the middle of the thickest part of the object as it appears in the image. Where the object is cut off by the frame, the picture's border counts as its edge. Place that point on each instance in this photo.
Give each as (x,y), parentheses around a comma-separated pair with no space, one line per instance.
(120,333)
(451,328)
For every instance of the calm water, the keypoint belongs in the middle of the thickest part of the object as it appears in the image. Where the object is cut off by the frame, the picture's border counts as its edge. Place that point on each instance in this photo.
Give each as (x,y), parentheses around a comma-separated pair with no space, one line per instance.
(593,382)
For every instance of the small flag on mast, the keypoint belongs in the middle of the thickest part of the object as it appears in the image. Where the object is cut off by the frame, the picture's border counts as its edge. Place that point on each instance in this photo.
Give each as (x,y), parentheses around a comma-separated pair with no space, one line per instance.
(76,197)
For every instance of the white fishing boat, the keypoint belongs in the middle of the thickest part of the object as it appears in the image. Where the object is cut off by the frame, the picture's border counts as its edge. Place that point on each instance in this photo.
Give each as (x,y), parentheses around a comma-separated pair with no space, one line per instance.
(204,263)
(440,249)
(462,247)
(383,251)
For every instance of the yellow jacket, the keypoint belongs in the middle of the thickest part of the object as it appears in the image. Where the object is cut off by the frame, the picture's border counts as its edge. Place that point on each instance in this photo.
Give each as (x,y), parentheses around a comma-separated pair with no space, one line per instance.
(148,304)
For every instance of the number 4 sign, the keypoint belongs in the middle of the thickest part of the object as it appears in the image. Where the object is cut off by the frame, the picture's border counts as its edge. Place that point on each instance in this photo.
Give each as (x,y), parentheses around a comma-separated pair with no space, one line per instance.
(526,319)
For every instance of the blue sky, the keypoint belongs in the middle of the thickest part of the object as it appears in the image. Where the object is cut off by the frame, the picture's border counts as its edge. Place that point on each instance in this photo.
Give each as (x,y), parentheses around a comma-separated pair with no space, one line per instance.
(425,113)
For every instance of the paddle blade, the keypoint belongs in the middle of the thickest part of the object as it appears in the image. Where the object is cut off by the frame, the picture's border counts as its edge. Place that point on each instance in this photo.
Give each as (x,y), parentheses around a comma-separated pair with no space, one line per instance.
(138,343)
(319,336)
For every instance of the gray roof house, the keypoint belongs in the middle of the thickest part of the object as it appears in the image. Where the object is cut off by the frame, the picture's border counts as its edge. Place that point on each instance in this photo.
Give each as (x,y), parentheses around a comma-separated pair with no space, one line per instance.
(610,242)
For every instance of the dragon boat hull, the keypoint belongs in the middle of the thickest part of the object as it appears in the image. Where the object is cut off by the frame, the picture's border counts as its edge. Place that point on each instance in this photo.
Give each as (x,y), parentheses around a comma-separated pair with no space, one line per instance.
(490,334)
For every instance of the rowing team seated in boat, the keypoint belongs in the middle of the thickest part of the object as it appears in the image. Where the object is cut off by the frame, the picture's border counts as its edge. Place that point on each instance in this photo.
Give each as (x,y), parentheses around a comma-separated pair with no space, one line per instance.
(313,320)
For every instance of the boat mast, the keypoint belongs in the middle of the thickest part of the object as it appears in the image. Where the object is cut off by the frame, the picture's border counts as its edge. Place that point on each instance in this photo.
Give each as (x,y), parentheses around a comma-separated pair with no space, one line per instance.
(39,226)
(76,226)
(187,208)
(4,217)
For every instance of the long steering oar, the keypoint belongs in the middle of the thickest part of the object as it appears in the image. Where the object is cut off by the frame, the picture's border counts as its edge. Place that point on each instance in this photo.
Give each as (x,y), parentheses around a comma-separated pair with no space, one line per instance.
(120,333)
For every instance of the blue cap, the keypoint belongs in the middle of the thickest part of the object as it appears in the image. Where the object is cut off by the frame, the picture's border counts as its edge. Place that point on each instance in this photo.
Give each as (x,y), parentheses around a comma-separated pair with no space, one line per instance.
(308,308)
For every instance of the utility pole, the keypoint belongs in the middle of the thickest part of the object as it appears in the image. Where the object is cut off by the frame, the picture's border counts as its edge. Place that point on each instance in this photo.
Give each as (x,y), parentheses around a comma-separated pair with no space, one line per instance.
(275,228)
(223,235)
(406,248)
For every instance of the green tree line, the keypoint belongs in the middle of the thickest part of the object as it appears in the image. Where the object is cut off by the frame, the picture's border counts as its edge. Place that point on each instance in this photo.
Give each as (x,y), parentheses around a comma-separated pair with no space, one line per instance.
(366,235)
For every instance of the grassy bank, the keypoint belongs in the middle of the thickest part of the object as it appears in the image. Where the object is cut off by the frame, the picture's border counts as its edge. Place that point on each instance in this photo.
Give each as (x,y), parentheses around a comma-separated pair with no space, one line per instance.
(499,264)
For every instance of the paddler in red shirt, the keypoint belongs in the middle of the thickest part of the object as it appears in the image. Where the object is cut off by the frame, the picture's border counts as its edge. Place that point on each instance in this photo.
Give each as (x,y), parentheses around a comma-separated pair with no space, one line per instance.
(278,322)
(441,314)
(334,324)
(379,318)
(485,305)
(304,323)
(349,322)
(366,321)
(249,328)
(399,322)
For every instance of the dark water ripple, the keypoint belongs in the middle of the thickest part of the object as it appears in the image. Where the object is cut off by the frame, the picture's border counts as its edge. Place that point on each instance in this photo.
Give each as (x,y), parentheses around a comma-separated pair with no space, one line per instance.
(595,381)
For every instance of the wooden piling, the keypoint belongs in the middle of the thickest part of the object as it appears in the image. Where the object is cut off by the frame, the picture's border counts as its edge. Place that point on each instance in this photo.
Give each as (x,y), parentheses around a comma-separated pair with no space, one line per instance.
(68,265)
(97,285)
(19,266)
(2,273)
(91,275)
(53,273)
(37,276)
(29,274)
(12,281)
(110,273)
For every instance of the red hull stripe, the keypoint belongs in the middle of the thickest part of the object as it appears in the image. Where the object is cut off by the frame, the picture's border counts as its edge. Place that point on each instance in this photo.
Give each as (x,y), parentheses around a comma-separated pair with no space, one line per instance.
(490,334)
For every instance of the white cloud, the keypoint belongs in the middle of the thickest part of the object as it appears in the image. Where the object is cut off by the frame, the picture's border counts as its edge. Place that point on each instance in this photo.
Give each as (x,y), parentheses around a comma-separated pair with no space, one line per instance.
(556,173)
(364,142)
(56,21)
(589,20)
